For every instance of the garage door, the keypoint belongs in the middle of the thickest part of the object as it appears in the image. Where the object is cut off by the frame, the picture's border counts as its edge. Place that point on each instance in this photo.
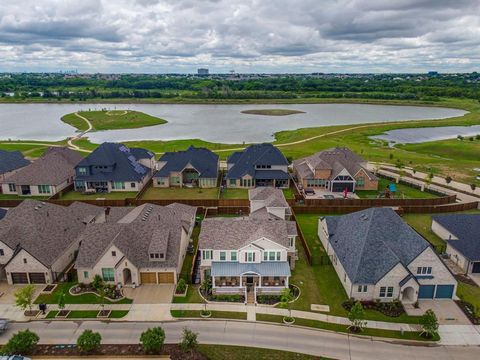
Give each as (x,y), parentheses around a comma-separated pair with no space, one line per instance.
(444,291)
(166,278)
(339,187)
(148,277)
(476,268)
(37,278)
(426,291)
(19,278)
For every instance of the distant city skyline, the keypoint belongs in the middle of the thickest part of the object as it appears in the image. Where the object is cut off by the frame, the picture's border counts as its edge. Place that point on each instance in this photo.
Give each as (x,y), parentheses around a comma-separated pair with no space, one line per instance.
(248,36)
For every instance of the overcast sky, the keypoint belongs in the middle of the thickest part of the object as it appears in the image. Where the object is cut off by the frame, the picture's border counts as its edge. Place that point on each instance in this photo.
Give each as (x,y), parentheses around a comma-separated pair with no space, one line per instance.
(241,35)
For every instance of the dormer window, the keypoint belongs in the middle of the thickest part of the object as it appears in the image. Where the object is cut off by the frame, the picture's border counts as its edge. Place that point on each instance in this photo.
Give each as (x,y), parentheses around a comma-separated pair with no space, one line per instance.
(82,170)
(157,256)
(114,253)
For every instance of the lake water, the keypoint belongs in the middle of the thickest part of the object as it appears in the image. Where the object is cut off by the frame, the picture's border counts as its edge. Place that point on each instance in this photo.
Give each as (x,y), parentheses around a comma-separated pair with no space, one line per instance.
(215,123)
(420,135)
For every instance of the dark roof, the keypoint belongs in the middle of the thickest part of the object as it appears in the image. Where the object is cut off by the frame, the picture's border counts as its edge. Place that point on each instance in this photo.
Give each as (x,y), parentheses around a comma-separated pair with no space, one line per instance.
(125,163)
(54,167)
(466,227)
(203,160)
(45,230)
(3,212)
(258,154)
(369,243)
(11,160)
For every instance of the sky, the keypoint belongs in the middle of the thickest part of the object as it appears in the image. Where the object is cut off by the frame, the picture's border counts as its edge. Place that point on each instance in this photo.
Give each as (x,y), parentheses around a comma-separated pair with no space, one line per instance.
(254,36)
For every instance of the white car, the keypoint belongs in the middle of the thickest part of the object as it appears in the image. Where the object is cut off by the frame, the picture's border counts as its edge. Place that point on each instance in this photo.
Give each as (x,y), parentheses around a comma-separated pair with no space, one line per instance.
(14,357)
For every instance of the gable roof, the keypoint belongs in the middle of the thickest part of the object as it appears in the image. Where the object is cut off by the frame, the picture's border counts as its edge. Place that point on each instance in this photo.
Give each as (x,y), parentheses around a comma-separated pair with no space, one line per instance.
(466,227)
(334,159)
(144,228)
(11,160)
(244,162)
(369,243)
(271,197)
(203,160)
(45,230)
(125,163)
(235,233)
(54,167)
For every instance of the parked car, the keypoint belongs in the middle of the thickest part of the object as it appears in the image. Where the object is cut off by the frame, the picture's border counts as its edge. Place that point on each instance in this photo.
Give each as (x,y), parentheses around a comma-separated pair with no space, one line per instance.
(309,191)
(4,325)
(14,357)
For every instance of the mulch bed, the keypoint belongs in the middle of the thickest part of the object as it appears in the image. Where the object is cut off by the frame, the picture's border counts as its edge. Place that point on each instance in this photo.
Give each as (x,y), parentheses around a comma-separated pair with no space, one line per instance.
(49,288)
(104,313)
(465,279)
(392,309)
(31,313)
(468,310)
(111,350)
(63,313)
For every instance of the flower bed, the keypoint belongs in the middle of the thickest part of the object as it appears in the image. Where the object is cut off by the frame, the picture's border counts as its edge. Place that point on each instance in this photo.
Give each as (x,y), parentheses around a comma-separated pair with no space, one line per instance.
(49,288)
(469,310)
(392,309)
(236,298)
(111,291)
(274,299)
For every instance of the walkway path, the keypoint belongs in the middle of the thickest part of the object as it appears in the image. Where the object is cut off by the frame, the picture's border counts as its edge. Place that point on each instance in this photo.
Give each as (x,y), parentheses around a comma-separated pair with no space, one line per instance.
(70,143)
(289,338)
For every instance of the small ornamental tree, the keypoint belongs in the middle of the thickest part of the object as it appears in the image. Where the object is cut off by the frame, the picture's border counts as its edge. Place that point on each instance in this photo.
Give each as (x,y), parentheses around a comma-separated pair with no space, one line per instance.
(356,315)
(22,342)
(181,286)
(189,340)
(152,340)
(89,341)
(286,297)
(61,301)
(97,282)
(473,187)
(24,297)
(429,323)
(448,179)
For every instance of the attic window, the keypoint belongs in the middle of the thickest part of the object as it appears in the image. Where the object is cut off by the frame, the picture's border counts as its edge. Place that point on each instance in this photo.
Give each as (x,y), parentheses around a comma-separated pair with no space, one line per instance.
(162,256)
(156,256)
(24,261)
(114,253)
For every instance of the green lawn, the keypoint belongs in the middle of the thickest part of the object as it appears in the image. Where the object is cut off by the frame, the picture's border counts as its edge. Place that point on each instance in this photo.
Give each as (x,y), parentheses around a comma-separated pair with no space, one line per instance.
(321,283)
(156,193)
(114,119)
(16,197)
(344,328)
(215,314)
(422,223)
(70,299)
(403,191)
(115,195)
(288,193)
(88,314)
(230,193)
(33,149)
(222,352)
(192,296)
(470,294)
(188,261)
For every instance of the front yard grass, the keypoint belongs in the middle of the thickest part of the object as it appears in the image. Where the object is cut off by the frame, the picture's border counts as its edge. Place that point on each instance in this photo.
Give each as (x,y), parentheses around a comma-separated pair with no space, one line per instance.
(408,335)
(469,293)
(422,223)
(403,191)
(88,314)
(230,193)
(192,296)
(172,193)
(115,195)
(221,352)
(70,299)
(16,197)
(215,314)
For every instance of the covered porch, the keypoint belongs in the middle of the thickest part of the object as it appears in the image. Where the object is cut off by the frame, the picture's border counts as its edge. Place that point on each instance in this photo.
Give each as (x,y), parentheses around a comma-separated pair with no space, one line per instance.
(273,178)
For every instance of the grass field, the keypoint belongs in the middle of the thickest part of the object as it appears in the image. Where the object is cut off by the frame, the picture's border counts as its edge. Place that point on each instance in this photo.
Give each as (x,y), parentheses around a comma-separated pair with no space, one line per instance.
(88,314)
(113,119)
(16,197)
(229,193)
(222,352)
(215,314)
(33,149)
(156,193)
(403,191)
(272,112)
(115,195)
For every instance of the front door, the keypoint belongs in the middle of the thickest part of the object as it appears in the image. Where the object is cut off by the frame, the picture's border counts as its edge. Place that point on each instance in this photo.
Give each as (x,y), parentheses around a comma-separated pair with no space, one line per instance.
(249,280)
(26,190)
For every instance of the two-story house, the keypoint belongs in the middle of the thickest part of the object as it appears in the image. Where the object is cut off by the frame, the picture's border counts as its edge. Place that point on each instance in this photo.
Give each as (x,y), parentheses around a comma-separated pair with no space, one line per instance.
(114,167)
(246,254)
(257,165)
(147,245)
(377,256)
(335,170)
(46,176)
(194,167)
(268,203)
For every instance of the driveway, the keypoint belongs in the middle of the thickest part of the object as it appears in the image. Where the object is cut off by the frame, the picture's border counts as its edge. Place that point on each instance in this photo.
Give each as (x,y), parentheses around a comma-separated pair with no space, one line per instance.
(151,294)
(448,313)
(8,291)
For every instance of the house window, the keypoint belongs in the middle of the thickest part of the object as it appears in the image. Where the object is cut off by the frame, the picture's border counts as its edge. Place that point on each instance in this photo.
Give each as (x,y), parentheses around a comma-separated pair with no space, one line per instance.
(108,274)
(271,256)
(344,277)
(265,256)
(118,185)
(44,189)
(2,253)
(12,188)
(82,170)
(291,241)
(362,288)
(114,253)
(390,291)
(133,185)
(223,256)
(24,261)
(175,180)
(162,255)
(233,256)
(207,254)
(250,256)
(386,291)
(361,181)
(424,270)
(233,182)
(85,274)
(278,255)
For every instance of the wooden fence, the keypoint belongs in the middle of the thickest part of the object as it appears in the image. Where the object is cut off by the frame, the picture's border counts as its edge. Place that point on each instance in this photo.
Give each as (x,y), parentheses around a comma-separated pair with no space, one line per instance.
(381,202)
(301,237)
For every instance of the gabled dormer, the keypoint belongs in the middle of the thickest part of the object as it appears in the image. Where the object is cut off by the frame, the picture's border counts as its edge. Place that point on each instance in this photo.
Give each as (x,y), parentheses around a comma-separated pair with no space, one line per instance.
(157,250)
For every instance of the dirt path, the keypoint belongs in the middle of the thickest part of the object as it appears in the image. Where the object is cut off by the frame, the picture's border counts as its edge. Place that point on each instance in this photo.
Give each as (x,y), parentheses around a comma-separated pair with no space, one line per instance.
(70,143)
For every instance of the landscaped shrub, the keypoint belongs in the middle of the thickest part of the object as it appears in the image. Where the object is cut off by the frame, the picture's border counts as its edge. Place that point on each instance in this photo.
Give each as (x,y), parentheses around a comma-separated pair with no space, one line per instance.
(268,299)
(448,179)
(227,298)
(97,282)
(189,340)
(89,341)
(22,342)
(152,340)
(392,309)
(181,286)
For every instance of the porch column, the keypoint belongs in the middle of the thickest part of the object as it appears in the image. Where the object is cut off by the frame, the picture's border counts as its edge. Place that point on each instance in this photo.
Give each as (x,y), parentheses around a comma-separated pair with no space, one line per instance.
(286,281)
(260,281)
(213,282)
(240,280)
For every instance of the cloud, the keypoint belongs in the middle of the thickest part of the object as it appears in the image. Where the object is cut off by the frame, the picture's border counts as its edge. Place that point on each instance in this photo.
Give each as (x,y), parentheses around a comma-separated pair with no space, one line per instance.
(246,35)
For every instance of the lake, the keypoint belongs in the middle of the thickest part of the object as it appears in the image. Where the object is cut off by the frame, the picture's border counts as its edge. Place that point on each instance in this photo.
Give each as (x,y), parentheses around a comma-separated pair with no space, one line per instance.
(215,123)
(420,135)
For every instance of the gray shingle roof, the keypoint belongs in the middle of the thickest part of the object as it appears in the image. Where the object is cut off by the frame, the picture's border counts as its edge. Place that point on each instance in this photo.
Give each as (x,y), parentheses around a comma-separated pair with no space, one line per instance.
(52,168)
(203,160)
(143,228)
(11,160)
(272,197)
(258,154)
(274,268)
(125,162)
(466,227)
(45,230)
(369,243)
(334,159)
(235,233)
